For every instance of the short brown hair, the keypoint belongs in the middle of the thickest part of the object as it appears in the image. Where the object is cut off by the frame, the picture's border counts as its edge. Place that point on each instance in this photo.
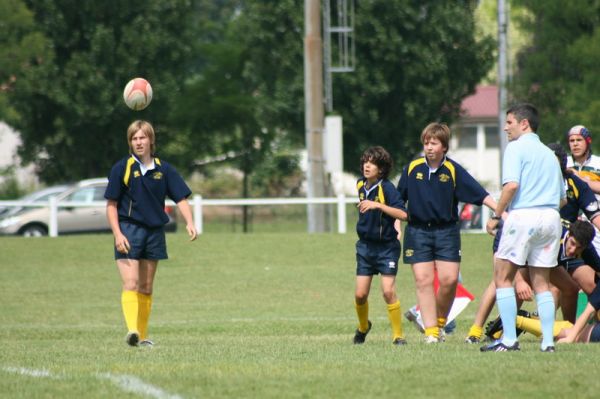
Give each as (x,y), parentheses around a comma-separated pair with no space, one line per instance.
(146,128)
(439,131)
(380,157)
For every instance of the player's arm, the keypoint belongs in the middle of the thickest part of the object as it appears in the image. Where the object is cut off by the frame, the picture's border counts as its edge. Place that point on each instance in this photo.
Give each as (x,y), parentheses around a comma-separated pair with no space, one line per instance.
(396,213)
(580,323)
(508,193)
(121,242)
(186,211)
(594,185)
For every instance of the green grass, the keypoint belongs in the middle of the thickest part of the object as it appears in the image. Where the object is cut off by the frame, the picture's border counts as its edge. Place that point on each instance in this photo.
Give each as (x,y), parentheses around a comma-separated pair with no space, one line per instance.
(248,316)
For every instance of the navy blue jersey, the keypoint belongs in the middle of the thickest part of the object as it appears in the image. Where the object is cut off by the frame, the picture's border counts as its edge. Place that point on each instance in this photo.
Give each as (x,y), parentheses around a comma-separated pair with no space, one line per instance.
(376,225)
(579,197)
(432,197)
(141,198)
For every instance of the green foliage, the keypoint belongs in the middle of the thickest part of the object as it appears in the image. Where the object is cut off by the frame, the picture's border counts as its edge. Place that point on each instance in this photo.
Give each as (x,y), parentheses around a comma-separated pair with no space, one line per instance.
(249,316)
(416,61)
(9,186)
(72,117)
(558,71)
(227,77)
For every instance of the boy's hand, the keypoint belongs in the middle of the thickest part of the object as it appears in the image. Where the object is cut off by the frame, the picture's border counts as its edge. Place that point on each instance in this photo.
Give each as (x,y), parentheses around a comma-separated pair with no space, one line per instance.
(367,205)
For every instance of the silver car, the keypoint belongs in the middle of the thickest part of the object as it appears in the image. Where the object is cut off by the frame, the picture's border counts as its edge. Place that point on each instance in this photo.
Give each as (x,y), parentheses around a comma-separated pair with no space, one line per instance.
(33,222)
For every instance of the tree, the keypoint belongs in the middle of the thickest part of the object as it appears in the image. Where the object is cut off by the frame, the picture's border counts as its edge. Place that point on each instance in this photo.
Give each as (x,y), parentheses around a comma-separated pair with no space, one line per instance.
(415,63)
(69,108)
(557,72)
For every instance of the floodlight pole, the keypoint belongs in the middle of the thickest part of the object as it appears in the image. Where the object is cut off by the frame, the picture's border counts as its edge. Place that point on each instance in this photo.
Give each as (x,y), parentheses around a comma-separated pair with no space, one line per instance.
(314,113)
(502,72)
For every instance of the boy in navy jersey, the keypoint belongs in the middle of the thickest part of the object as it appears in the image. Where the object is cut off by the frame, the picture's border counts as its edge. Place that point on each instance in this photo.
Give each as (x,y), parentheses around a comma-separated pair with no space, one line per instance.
(378,248)
(430,189)
(137,187)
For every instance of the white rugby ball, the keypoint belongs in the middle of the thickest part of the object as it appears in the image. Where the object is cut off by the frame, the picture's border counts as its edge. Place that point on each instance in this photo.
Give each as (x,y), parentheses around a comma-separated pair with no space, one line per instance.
(137,94)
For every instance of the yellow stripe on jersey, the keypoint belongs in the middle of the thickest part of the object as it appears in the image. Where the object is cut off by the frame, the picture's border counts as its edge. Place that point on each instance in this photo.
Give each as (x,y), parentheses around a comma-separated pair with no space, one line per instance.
(360,184)
(571,183)
(130,163)
(157,161)
(414,164)
(452,170)
(380,195)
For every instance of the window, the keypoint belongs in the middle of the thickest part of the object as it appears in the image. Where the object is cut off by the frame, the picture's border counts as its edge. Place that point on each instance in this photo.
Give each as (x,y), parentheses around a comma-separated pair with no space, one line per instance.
(467,137)
(492,138)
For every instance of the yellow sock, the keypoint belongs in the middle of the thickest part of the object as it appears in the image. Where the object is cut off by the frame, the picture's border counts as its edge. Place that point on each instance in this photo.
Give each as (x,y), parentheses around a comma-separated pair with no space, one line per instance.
(362,311)
(441,322)
(129,303)
(432,331)
(145,305)
(534,326)
(395,316)
(475,331)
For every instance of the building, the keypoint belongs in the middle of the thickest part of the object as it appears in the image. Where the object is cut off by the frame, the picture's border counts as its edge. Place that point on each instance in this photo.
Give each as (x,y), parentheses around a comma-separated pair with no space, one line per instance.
(475,142)
(9,142)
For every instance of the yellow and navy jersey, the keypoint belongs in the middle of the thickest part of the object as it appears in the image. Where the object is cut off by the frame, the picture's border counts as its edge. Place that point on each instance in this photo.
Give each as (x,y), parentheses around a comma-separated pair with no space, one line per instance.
(580,197)
(431,197)
(376,225)
(141,197)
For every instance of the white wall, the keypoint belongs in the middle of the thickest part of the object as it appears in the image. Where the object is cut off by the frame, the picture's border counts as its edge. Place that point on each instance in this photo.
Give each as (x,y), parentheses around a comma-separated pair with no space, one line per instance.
(9,141)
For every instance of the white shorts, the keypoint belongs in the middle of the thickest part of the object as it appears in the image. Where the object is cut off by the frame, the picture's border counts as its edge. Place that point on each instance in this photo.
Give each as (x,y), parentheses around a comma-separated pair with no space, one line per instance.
(531,236)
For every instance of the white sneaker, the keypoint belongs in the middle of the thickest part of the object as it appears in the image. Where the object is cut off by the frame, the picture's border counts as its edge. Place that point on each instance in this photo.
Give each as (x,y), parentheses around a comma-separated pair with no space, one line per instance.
(146,343)
(430,339)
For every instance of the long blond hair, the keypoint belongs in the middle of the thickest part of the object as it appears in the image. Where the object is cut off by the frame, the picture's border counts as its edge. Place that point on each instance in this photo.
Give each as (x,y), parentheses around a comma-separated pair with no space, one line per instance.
(146,128)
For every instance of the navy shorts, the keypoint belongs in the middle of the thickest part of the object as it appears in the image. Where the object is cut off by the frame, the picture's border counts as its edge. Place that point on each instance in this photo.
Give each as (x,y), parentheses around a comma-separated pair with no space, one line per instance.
(595,333)
(144,242)
(377,257)
(429,243)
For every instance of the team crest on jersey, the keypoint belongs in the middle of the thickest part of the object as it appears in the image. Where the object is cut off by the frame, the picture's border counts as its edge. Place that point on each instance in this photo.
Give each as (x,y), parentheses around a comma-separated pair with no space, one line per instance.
(409,252)
(136,173)
(419,176)
(361,196)
(444,178)
(391,264)
(157,175)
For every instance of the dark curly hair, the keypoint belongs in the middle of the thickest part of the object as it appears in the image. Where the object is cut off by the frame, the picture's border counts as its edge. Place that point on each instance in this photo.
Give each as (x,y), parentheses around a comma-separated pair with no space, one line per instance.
(380,157)
(561,154)
(583,232)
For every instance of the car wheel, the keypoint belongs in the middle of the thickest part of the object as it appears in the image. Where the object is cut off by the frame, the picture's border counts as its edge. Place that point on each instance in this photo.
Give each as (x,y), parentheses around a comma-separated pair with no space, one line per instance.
(34,231)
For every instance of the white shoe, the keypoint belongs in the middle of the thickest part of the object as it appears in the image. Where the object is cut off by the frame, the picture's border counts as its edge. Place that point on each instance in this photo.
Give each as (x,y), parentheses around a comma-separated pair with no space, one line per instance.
(430,339)
(146,343)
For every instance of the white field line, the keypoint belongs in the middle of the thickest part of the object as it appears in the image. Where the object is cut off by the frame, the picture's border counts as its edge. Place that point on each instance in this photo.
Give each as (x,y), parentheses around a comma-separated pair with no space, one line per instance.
(30,372)
(135,385)
(127,383)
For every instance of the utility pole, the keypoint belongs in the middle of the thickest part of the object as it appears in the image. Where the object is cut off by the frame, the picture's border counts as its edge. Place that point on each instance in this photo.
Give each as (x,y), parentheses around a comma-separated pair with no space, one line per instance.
(314,113)
(502,73)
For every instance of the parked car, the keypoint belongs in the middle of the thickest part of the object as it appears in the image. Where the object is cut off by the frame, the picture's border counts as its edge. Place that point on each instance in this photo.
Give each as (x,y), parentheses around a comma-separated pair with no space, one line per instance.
(36,197)
(33,222)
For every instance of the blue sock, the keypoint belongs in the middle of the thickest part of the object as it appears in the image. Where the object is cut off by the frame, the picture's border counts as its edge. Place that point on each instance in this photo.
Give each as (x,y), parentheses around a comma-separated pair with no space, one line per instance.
(507,306)
(546,310)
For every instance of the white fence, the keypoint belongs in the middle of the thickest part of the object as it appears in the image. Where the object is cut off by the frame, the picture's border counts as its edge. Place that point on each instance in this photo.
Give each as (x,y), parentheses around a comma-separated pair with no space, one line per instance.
(198,204)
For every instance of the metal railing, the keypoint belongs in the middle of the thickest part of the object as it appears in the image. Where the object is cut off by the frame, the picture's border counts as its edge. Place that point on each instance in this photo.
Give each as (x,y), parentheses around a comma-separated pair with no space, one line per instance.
(198,203)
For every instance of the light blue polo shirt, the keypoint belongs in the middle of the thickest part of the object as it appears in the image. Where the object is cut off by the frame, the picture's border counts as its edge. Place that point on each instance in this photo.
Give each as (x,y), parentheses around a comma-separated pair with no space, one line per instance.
(530,163)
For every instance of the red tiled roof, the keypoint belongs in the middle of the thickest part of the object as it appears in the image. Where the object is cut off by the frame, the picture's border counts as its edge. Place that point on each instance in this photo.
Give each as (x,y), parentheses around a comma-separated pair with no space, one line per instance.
(482,104)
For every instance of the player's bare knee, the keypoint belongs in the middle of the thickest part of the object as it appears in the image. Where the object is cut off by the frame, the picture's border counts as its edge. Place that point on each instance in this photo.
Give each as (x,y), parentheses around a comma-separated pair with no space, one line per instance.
(389,296)
(361,296)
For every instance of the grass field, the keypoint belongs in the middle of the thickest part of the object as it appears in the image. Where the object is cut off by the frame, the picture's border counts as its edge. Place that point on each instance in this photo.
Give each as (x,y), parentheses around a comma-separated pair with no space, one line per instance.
(247,316)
